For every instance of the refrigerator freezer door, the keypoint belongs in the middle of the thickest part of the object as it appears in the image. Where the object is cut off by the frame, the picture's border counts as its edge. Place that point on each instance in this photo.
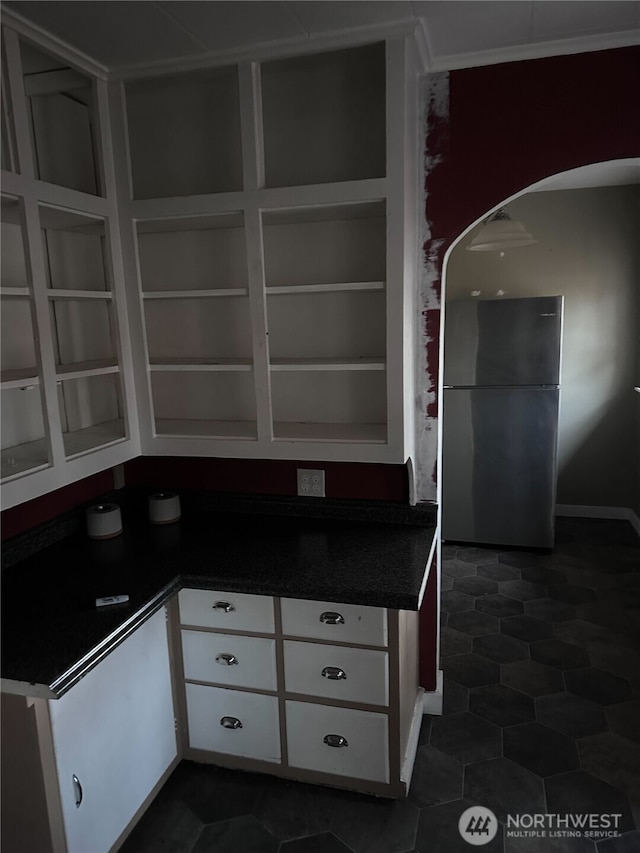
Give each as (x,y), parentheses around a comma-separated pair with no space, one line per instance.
(499,466)
(503,342)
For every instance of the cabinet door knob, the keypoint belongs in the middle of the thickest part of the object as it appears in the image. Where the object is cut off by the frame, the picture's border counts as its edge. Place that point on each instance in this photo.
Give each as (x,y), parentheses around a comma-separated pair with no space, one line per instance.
(78,789)
(223,607)
(226,659)
(330,617)
(334,673)
(230,723)
(335,740)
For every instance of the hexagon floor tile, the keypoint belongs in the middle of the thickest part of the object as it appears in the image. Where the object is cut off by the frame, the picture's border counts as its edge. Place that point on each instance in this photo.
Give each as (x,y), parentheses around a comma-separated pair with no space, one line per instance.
(624,719)
(504,787)
(499,605)
(466,737)
(531,677)
(573,715)
(540,749)
(579,792)
(559,654)
(501,648)
(501,705)
(526,628)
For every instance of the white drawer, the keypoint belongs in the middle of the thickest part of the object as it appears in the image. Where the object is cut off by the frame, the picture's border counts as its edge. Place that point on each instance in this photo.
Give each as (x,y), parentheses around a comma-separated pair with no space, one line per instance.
(235,611)
(257,734)
(336,672)
(361,739)
(229,659)
(324,620)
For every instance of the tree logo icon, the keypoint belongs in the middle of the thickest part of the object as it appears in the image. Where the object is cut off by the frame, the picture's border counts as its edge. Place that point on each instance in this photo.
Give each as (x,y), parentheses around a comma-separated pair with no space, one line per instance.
(478,825)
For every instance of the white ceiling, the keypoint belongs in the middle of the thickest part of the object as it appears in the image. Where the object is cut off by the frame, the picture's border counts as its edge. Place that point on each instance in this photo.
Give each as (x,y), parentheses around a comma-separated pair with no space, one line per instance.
(455,33)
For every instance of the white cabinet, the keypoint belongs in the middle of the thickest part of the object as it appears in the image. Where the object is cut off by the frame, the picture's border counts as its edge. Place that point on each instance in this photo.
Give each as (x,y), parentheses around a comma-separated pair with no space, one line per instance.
(344,712)
(275,255)
(67,391)
(104,746)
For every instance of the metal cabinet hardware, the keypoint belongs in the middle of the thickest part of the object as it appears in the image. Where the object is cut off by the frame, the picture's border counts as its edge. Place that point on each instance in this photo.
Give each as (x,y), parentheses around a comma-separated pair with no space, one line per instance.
(335,740)
(334,673)
(330,617)
(230,723)
(223,607)
(78,789)
(226,659)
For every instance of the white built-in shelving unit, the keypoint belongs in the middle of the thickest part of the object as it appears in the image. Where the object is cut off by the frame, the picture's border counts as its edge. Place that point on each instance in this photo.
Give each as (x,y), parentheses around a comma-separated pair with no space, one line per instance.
(68,403)
(217,261)
(274,226)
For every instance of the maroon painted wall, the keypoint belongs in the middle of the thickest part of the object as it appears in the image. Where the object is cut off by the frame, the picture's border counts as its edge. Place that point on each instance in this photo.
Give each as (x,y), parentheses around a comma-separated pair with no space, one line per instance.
(353,480)
(24,516)
(507,127)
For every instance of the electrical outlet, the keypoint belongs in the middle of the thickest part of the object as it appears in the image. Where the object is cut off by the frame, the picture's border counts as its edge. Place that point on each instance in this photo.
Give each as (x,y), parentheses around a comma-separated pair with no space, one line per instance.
(310,482)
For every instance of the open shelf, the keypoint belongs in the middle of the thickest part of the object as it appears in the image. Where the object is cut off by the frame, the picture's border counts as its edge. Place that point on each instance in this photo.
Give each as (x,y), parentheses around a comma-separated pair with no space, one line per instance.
(324,117)
(61,102)
(326,245)
(328,405)
(24,444)
(20,377)
(204,403)
(13,266)
(325,364)
(24,458)
(91,412)
(75,251)
(242,430)
(207,364)
(92,437)
(83,331)
(184,134)
(337,325)
(193,253)
(201,329)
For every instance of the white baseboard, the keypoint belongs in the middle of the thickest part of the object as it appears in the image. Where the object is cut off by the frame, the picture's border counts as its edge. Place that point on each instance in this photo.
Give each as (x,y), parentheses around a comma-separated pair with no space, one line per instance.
(432,699)
(579,511)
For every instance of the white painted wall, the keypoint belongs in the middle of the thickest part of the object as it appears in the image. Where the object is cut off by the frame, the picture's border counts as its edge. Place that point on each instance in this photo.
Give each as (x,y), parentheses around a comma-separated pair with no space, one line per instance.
(589,251)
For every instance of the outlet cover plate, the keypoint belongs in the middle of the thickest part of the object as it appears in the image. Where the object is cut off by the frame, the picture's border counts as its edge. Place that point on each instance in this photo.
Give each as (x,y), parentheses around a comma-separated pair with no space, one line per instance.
(310,482)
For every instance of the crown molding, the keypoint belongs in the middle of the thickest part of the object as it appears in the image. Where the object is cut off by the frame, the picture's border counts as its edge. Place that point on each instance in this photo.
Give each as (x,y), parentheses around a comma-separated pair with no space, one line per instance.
(264,51)
(43,39)
(543,50)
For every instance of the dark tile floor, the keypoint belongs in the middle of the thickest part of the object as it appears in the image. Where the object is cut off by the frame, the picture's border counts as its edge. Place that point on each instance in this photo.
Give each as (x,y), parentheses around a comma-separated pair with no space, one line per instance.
(541,660)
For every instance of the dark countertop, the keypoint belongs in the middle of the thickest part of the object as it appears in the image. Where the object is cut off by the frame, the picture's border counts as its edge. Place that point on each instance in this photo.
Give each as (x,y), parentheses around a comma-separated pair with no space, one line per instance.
(52,633)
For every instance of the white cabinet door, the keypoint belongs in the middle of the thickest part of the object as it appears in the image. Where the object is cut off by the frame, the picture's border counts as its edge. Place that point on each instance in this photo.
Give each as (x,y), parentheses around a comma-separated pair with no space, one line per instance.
(114,737)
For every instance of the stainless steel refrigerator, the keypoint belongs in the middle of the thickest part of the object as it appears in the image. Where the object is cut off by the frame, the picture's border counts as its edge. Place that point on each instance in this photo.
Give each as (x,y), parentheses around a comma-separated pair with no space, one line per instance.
(500,424)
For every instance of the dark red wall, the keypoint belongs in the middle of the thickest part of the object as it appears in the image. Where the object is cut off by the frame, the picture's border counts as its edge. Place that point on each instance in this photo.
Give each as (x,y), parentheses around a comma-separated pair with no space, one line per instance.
(352,480)
(22,517)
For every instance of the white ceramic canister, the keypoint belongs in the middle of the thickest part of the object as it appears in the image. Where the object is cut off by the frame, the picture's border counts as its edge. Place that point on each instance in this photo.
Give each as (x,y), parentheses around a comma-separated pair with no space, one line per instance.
(104,521)
(164,507)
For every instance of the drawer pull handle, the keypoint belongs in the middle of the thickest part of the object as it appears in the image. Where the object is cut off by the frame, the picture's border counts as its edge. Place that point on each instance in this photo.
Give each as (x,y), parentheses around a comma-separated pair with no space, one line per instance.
(330,617)
(334,673)
(223,607)
(226,659)
(335,740)
(78,789)
(230,723)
